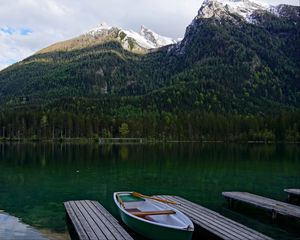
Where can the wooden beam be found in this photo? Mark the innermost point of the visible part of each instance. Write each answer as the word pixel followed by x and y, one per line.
pixel 152 213
pixel 92 221
pixel 274 206
pixel 213 222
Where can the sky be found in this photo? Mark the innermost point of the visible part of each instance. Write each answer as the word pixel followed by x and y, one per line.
pixel 26 26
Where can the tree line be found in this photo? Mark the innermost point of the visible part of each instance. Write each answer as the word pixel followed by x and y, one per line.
pixel 192 126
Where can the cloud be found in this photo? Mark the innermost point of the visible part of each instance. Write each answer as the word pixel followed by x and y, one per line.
pixel 17 44
pixel 26 26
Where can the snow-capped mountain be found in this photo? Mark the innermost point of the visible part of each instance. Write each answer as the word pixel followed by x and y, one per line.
pixel 236 57
pixel 221 8
pixel 143 42
pixel 101 28
pixel 146 39
pixel 157 40
pixel 245 9
pixel 234 12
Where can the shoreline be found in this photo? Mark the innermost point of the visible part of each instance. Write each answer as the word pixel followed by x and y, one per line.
pixel 137 141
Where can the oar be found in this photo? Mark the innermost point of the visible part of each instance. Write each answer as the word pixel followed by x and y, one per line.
pixel 120 201
pixel 139 195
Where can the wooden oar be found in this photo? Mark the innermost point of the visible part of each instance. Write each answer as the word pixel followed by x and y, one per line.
pixel 139 195
pixel 120 201
pixel 152 213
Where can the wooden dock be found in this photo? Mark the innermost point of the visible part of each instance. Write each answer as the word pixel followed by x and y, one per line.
pixel 213 222
pixel 91 221
pixel 292 193
pixel 276 207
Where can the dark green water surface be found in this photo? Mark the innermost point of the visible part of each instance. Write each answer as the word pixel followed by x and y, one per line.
pixel 36 179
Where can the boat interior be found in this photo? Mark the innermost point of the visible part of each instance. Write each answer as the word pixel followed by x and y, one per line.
pixel 151 210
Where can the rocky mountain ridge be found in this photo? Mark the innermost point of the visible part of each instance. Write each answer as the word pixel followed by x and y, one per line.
pixel 224 64
pixel 142 42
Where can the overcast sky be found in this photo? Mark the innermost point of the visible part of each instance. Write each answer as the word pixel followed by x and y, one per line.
pixel 29 25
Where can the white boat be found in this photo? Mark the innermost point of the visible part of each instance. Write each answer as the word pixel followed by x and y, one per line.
pixel 152 218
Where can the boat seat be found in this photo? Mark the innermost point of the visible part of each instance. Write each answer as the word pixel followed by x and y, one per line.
pixel 130 198
pixel 146 213
pixel 147 217
pixel 132 210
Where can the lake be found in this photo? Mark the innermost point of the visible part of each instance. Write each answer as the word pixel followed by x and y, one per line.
pixel 35 179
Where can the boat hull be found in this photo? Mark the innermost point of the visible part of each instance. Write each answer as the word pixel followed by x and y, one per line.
pixel 154 231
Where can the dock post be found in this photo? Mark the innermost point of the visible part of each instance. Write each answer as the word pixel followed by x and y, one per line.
pixel 289 197
pixel 231 202
pixel 274 215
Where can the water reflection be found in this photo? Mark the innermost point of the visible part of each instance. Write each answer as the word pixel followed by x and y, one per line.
pixel 36 179
pixel 12 228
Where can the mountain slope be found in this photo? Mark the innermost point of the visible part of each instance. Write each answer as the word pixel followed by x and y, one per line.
pixel 236 57
pixel 253 64
pixel 132 41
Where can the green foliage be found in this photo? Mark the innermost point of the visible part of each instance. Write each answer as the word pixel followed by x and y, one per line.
pixel 124 130
pixel 224 81
pixel 241 68
pixel 197 126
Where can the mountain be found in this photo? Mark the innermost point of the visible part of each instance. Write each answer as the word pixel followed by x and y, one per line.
pixel 236 57
pixel 130 40
pixel 157 40
pixel 243 54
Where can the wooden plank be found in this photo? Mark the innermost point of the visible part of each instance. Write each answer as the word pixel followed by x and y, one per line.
pixel 117 227
pixel 293 191
pixel 222 222
pixel 90 220
pixel 147 213
pixel 108 227
pixel 93 222
pixel 213 214
pixel 77 225
pixel 218 216
pixel 214 222
pixel 265 203
pixel 91 234
pixel 213 226
pixel 101 223
pixel 203 219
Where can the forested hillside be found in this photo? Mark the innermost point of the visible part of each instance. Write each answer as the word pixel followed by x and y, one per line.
pixel 228 79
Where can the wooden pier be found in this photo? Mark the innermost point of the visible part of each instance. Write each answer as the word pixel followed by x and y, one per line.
pixel 276 207
pixel 292 193
pixel 91 221
pixel 213 222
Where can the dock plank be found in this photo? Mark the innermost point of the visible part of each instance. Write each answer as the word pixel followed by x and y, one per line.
pixel 80 218
pixel 118 229
pixel 213 222
pixel 93 222
pixel 272 205
pixel 293 191
pixel 223 222
pixel 75 220
pixel 104 222
pixel 96 232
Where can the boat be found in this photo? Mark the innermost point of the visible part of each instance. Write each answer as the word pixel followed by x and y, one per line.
pixel 152 217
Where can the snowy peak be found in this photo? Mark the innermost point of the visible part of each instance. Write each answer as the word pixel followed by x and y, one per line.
pixel 221 8
pixel 156 39
pixel 131 40
pixel 245 9
pixel 100 29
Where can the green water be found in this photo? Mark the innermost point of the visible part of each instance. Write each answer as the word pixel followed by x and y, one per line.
pixel 36 179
